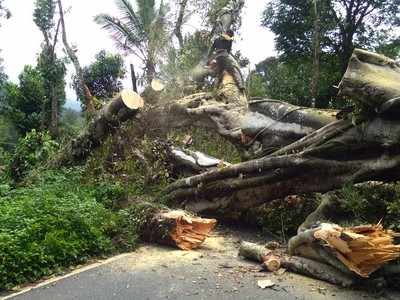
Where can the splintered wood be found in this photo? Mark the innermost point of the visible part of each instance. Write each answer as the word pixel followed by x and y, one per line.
pixel 363 249
pixel 190 232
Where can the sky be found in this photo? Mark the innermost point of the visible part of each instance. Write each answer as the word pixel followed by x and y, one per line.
pixel 20 39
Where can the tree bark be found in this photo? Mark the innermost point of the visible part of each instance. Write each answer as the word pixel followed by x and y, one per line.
pixel 256 128
pixel 372 80
pixel 179 22
pixel 323 160
pixel 176 228
pixel 83 88
pixel 134 79
pixel 122 108
pixel 317 53
pixel 298 265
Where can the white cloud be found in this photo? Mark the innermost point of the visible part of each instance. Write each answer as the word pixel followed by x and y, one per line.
pixel 20 39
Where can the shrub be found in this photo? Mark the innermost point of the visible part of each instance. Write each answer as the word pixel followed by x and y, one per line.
pixel 53 223
pixel 32 150
pixel 372 203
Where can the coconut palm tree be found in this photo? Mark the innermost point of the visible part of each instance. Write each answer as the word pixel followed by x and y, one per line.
pixel 142 32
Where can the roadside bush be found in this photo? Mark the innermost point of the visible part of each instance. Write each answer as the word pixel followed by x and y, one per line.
pixel 373 203
pixel 32 150
pixel 54 222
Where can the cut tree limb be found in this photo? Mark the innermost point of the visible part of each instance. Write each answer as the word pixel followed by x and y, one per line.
pixel 163 226
pixel 178 228
pixel 120 109
pixel 371 79
pixel 298 265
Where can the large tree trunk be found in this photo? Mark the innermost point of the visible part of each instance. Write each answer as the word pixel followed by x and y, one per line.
pixel 122 108
pixel 372 80
pixel 324 160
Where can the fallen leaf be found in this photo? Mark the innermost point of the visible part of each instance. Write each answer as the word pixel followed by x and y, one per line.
pixel 265 283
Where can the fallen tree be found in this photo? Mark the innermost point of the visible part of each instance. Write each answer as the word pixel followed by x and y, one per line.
pixel 323 160
pixel 122 108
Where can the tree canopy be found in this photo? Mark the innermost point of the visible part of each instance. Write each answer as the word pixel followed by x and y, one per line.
pixel 103 76
pixel 23 102
pixel 346 24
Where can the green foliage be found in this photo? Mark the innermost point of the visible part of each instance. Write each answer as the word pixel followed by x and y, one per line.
pixel 31 151
pixel 290 80
pixel 207 142
pixel 372 203
pixel 111 194
pixel 53 73
pixel 345 25
pixel 8 134
pixel 284 216
pixel 3 76
pixel 43 15
pixel 71 123
pixel 181 64
pixel 54 222
pixel 142 32
pixel 23 103
pixel 133 221
pixel 103 77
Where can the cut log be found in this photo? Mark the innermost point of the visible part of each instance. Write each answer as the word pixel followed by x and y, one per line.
pixel 362 249
pixel 172 227
pixel 122 108
pixel 298 265
pixel 373 80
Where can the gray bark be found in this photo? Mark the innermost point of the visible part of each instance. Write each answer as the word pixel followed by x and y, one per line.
pixel 323 160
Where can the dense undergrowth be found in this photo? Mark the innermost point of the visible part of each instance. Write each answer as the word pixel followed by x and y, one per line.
pixel 368 203
pixel 53 219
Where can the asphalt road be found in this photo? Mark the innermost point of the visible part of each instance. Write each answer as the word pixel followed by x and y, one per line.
pixel 213 272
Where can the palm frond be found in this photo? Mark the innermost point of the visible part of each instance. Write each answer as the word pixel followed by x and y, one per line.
pixel 122 36
pixel 130 17
pixel 147 12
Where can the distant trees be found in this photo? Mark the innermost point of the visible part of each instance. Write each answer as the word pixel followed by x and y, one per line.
pixel 51 68
pixel 103 76
pixel 345 24
pixel 141 32
pixel 23 102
